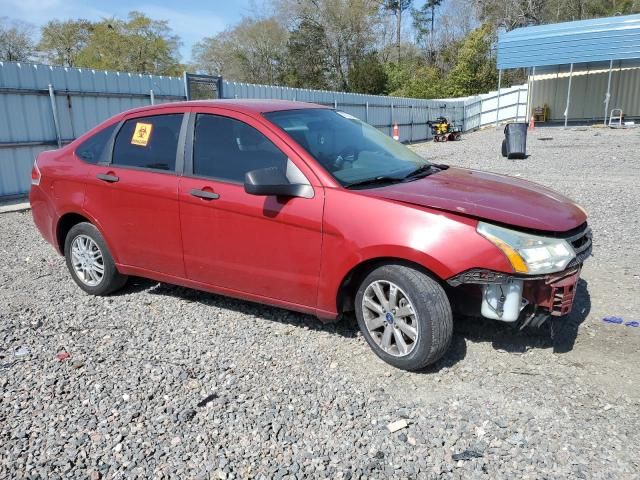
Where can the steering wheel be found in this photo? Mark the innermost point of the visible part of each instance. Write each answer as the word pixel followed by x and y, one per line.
pixel 347 154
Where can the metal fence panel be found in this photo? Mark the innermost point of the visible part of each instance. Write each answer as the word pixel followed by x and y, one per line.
pixel 83 99
pixel 411 114
pixel 483 110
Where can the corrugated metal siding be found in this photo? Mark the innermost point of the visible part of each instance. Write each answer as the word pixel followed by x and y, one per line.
pixel 601 39
pixel 86 97
pixel 482 110
pixel 411 114
pixel 83 98
pixel 588 91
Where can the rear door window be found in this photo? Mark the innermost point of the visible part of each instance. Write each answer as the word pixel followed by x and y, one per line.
pixel 148 142
pixel 94 149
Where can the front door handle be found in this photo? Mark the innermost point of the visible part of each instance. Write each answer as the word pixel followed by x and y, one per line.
pixel 105 177
pixel 204 194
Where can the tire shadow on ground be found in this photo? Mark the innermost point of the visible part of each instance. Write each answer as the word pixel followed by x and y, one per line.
pixel 558 333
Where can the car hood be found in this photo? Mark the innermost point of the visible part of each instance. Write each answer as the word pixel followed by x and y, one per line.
pixel 488 196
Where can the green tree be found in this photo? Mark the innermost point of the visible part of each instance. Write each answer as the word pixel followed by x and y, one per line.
pixel 397 7
pixel 16 40
pixel 252 51
pixel 138 44
pixel 367 75
pixel 424 23
pixel 307 62
pixel 566 10
pixel 62 41
pixel 415 79
pixel 349 26
pixel 475 69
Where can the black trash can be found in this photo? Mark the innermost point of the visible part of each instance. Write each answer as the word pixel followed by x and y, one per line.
pixel 514 144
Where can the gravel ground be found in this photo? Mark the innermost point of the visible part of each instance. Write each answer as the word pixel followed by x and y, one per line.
pixel 162 381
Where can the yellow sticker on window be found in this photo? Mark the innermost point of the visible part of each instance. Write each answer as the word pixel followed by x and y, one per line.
pixel 141 134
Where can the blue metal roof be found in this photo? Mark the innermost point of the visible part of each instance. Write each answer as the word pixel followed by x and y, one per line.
pixel 597 40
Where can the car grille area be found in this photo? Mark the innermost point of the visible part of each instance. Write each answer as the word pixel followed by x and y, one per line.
pixel 581 240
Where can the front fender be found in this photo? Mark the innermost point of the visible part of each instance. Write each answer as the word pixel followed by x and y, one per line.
pixel 358 229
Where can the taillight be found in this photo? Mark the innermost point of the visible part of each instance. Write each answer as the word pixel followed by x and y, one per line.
pixel 35 173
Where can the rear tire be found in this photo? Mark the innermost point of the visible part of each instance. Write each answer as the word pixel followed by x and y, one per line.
pixel 90 262
pixel 405 316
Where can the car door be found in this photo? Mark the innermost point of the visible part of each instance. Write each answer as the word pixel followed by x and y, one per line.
pixel 265 246
pixel 134 193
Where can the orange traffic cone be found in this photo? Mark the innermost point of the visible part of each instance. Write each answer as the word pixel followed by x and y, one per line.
pixel 396 132
pixel 532 123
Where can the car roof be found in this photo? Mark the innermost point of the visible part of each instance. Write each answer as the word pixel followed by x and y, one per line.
pixel 251 106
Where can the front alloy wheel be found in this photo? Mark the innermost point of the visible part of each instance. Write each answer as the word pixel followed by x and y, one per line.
pixel 390 318
pixel 405 316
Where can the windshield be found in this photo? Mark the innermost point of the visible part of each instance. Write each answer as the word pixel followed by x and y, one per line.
pixel 352 151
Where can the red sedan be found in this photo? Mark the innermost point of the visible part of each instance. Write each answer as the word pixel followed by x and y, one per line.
pixel 307 208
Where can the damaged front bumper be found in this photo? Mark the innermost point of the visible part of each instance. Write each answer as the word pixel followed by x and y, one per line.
pixel 530 299
pixel 509 298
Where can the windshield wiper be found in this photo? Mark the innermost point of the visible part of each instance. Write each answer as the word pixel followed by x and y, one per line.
pixel 425 170
pixel 374 181
pixel 421 172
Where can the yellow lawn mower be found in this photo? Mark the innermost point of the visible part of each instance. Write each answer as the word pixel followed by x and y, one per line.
pixel 444 131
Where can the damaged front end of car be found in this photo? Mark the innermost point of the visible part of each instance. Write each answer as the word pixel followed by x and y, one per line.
pixel 544 281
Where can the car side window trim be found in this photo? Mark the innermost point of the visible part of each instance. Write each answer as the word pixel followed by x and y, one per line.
pixel 182 141
pixel 188 148
pixel 108 155
pixel 180 154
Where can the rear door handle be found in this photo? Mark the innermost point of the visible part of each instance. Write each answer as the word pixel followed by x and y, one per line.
pixel 204 194
pixel 105 177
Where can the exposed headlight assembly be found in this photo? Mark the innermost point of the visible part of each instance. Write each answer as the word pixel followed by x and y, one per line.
pixel 529 253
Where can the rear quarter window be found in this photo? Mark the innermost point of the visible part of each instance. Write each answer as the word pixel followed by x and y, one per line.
pixel 94 149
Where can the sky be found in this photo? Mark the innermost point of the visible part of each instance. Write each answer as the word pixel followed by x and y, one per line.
pixel 191 20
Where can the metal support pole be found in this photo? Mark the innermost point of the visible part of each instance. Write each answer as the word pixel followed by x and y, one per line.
pixel 566 110
pixel 531 80
pixel 54 109
pixel 608 95
pixel 152 96
pixel 186 85
pixel 335 104
pixel 518 106
pixel 411 126
pixel 464 116
pixel 366 112
pixel 391 127
pixel 498 106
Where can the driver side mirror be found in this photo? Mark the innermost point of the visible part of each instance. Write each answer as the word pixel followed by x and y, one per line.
pixel 273 181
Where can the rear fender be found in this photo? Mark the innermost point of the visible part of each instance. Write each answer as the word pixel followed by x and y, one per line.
pixel 91 219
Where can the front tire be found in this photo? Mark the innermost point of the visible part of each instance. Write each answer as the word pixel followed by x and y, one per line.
pixel 405 316
pixel 90 262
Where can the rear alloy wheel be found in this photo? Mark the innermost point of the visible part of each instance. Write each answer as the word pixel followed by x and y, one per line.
pixel 89 261
pixel 405 316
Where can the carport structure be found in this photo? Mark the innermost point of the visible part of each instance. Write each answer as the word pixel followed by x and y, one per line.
pixel 587 52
